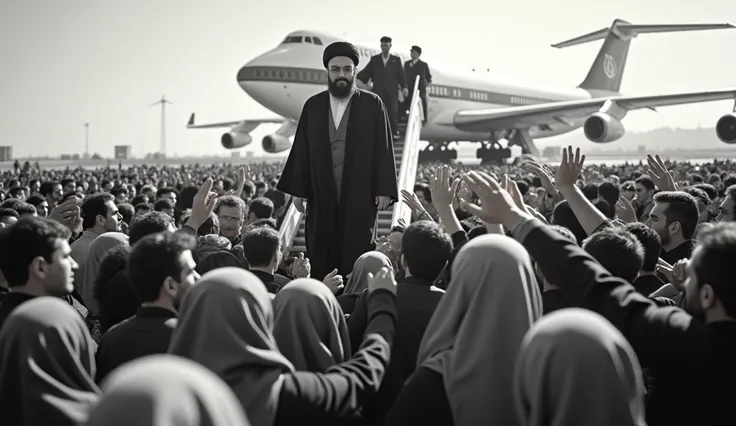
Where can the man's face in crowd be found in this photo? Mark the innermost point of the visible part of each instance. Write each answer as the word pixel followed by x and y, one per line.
pixel 643 195
pixel 113 219
pixel 341 76
pixel 658 222
pixel 57 192
pixel 187 277
pixel 57 275
pixel 231 221
pixel 43 209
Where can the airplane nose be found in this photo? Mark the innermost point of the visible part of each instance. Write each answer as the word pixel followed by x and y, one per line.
pixel 258 69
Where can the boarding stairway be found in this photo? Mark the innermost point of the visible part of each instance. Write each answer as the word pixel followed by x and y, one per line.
pixel 406 154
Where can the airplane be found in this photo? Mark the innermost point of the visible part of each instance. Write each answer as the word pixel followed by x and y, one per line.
pixel 471 107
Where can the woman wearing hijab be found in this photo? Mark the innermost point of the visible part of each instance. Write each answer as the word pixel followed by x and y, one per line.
pixel 97 251
pixel 47 362
pixel 165 390
pixel 576 369
pixel 309 326
pixel 226 324
pixel 467 355
pixel 368 263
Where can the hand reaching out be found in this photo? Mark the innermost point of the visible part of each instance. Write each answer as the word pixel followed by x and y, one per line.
pixel 498 205
pixel 443 193
pixel 543 174
pixel 625 210
pixel 301 268
pixel 203 204
pixel 659 174
pixel 411 200
pixel 333 281
pixel 384 279
pixel 570 167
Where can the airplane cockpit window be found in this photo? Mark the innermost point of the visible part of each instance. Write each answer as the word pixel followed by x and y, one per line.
pixel 292 39
pixel 308 39
pixel 317 41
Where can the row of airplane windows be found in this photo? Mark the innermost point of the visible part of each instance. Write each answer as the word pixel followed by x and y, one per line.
pixel 518 100
pixel 320 77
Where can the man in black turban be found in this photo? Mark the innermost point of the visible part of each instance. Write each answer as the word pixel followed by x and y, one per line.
pixel 340 48
pixel 342 165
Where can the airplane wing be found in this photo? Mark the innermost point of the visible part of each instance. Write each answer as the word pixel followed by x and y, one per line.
pixel 524 117
pixel 247 124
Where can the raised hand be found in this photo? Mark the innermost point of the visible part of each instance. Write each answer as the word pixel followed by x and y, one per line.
pixel 498 205
pixel 443 192
pixel 412 201
pixel 659 174
pixel 570 167
pixel 203 204
pixel 301 268
pixel 543 174
pixel 333 281
pixel 384 279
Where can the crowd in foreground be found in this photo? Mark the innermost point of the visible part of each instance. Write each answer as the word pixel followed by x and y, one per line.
pixel 517 295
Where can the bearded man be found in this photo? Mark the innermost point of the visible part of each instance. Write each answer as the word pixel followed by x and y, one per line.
pixel 341 165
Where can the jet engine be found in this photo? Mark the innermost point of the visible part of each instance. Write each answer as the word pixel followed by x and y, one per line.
pixel 601 128
pixel 726 128
pixel 275 143
pixel 233 140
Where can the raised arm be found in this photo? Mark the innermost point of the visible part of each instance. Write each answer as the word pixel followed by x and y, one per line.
pixel 655 333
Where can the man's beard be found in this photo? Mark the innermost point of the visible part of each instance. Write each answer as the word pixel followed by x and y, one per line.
pixel 340 90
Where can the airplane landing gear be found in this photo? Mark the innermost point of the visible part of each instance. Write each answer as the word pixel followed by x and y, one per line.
pixel 524 140
pixel 438 152
pixel 492 152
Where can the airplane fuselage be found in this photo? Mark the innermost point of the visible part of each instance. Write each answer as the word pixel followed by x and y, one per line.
pixel 284 78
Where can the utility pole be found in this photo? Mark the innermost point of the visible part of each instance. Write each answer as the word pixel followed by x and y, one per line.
pixel 163 103
pixel 86 140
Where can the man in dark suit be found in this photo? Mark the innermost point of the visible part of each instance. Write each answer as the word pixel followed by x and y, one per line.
pixel 387 75
pixel 413 68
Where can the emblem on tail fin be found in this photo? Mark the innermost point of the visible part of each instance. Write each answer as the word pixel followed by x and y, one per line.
pixel 609 66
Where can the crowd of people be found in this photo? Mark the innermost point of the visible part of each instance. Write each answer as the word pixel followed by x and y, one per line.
pixel 517 295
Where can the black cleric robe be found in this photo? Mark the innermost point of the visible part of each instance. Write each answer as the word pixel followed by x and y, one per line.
pixel 340 228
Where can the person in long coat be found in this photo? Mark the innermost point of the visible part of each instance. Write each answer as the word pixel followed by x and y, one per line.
pixel 342 165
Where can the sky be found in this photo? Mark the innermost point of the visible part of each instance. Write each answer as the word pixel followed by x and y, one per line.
pixel 65 63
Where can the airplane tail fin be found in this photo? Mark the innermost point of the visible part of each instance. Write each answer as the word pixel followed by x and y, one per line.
pixel 608 68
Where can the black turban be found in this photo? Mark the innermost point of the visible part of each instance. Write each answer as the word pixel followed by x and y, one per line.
pixel 340 48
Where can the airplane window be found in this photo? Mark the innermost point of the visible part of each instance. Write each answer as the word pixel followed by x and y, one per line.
pixel 317 41
pixel 292 39
pixel 307 39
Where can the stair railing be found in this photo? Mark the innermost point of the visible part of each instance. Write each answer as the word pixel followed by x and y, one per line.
pixel 410 157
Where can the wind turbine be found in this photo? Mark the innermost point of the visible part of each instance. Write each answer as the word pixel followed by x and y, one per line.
pixel 163 103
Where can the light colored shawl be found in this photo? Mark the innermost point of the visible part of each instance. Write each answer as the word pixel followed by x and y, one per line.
pixel 226 323
pixel 576 369
pixel 310 326
pixel 97 251
pixel 476 331
pixel 372 262
pixel 47 365
pixel 166 390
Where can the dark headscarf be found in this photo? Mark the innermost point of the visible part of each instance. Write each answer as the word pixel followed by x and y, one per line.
pixel 165 390
pixel 47 365
pixel 574 366
pixel 226 324
pixel 310 326
pixel 340 48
